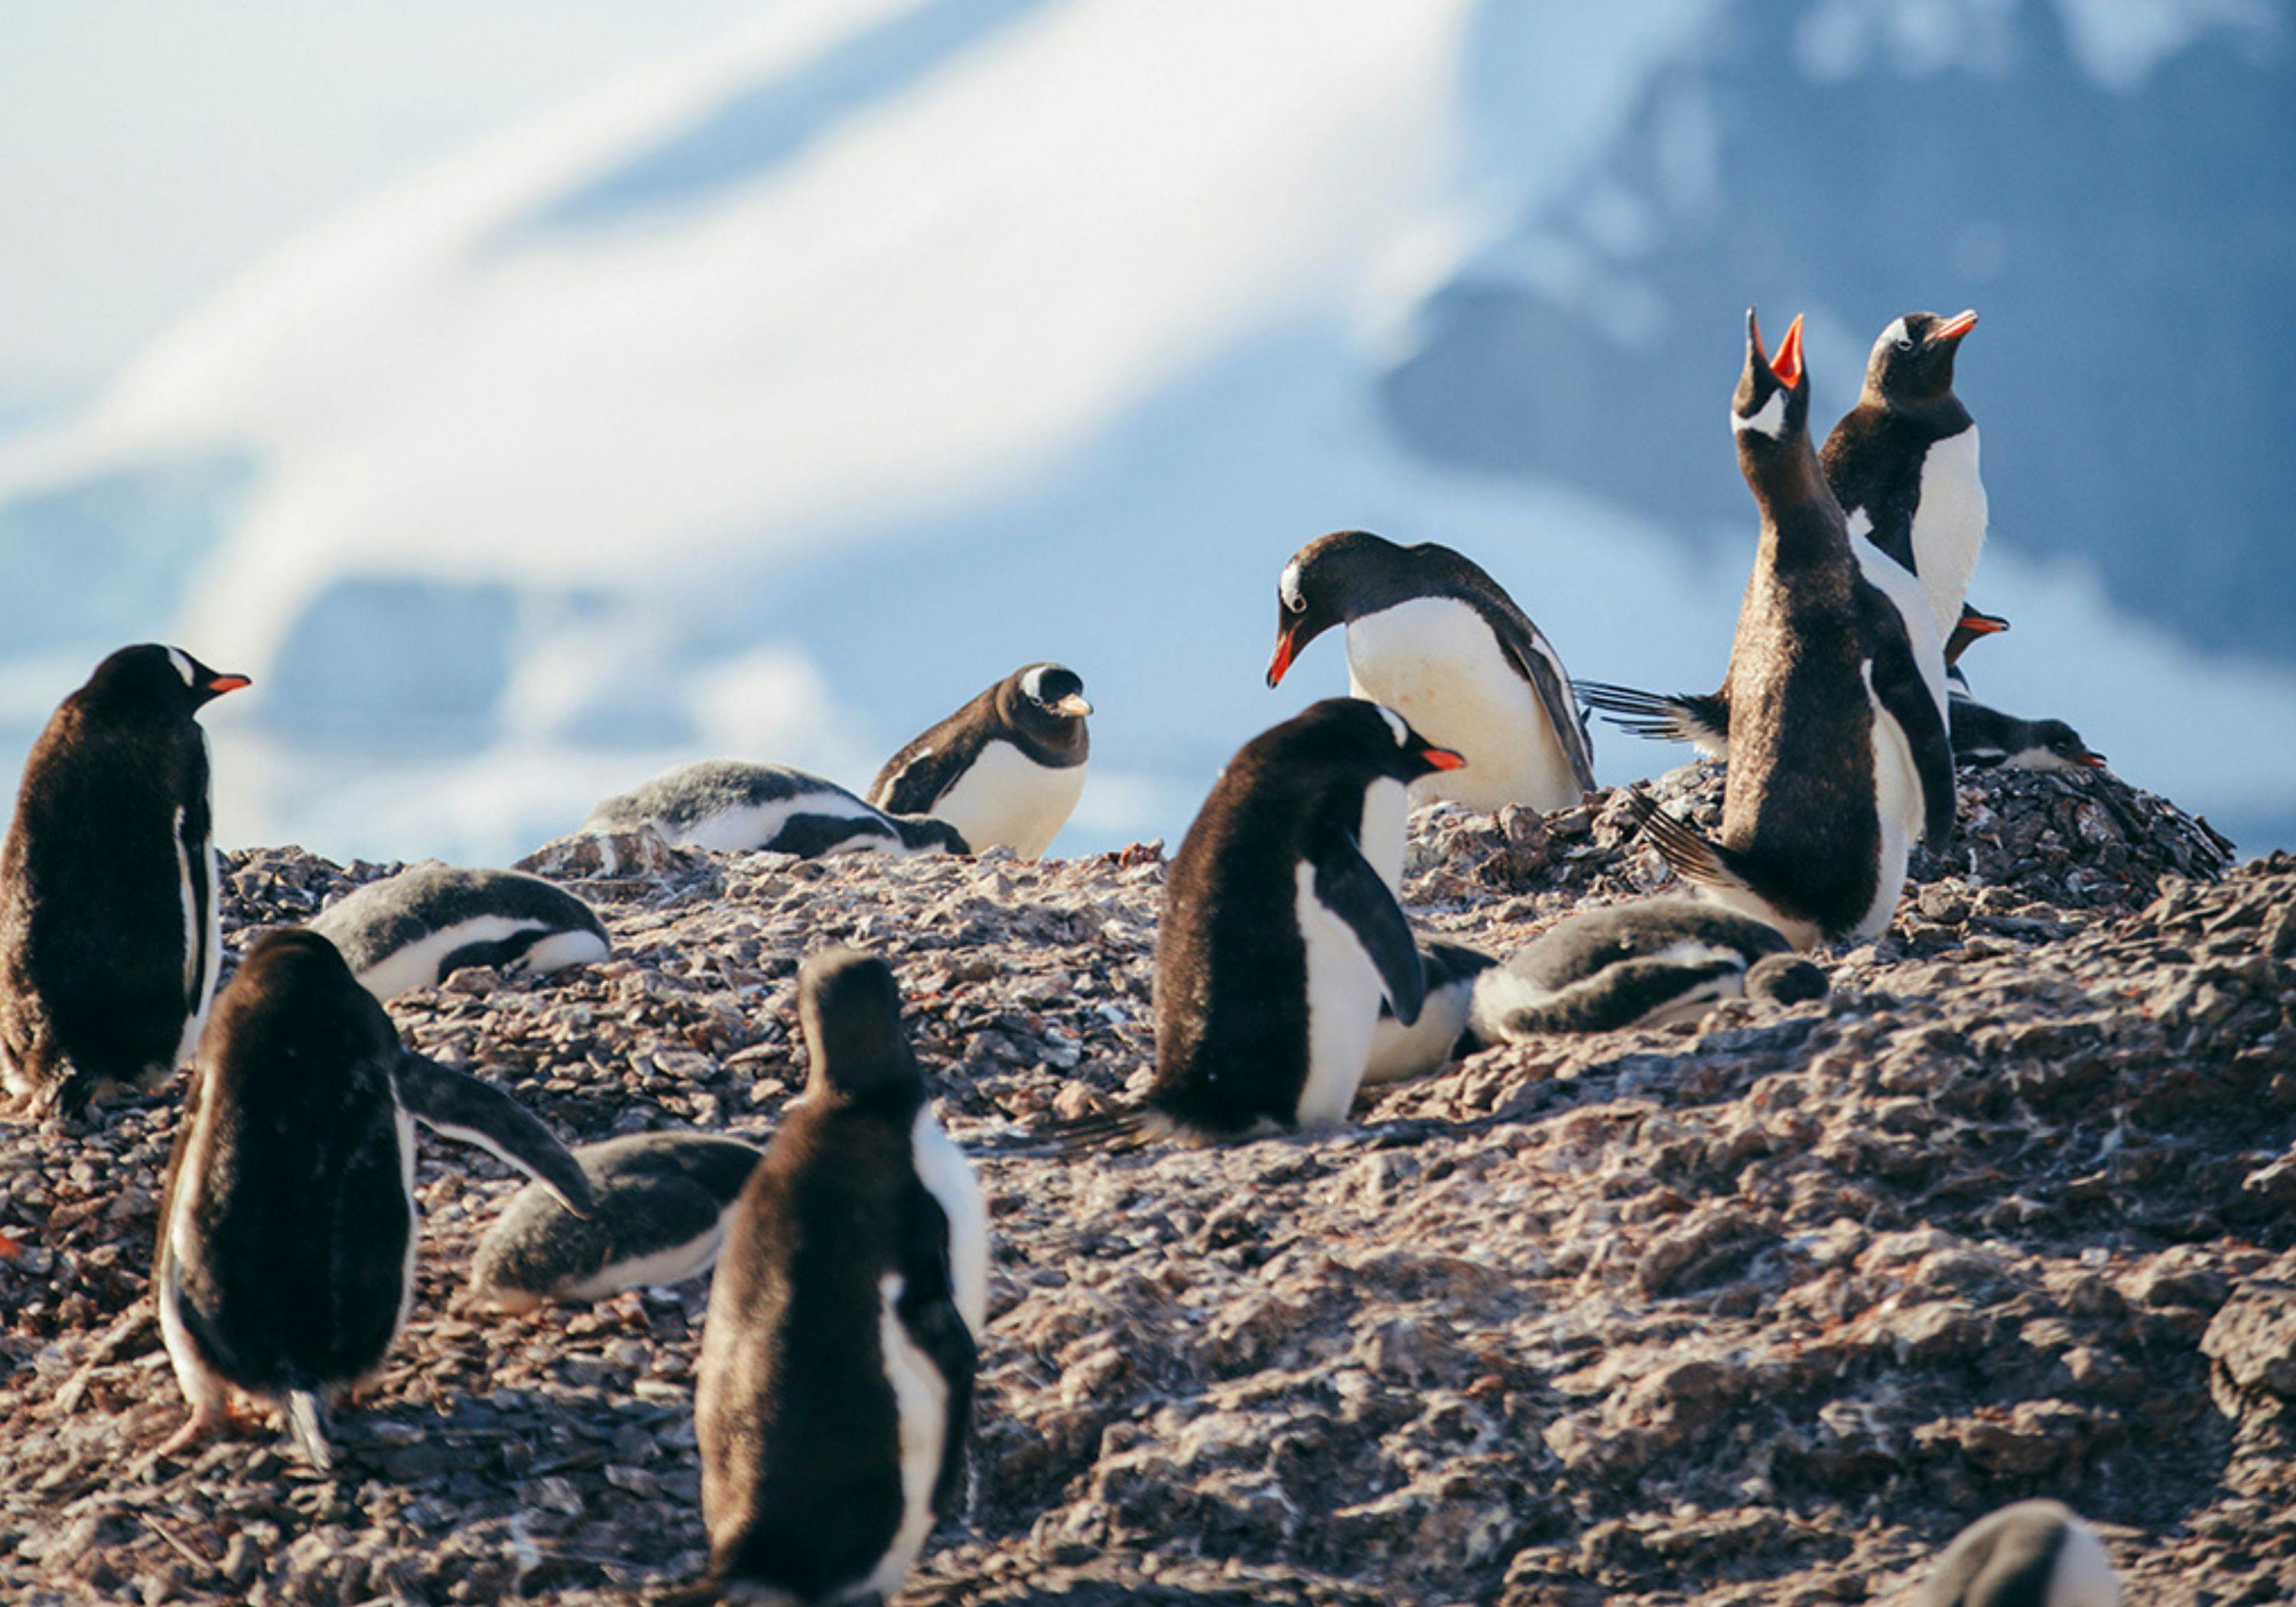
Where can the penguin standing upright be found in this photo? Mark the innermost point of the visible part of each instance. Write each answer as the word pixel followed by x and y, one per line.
pixel 1434 637
pixel 1281 931
pixel 1005 770
pixel 1903 464
pixel 1838 751
pixel 2032 1554
pixel 838 1357
pixel 287 1236
pixel 414 929
pixel 109 928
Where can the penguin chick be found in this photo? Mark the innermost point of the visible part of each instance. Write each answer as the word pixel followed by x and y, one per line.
pixel 109 932
pixel 835 1393
pixel 2034 1554
pixel 1647 963
pixel 734 808
pixel 1432 636
pixel 1005 770
pixel 287 1236
pixel 660 1204
pixel 414 929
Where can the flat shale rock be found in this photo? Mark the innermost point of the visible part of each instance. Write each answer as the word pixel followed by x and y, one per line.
pixel 1761 1311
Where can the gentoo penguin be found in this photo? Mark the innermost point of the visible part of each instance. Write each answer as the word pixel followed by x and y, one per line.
pixel 1434 637
pixel 838 1359
pixel 287 1236
pixel 737 808
pixel 661 1203
pixel 2034 1554
pixel 1838 754
pixel 410 930
pixel 1903 464
pixel 1702 718
pixel 1006 769
pixel 109 925
pixel 1986 739
pixel 1281 931
pixel 1440 1035
pixel 1642 964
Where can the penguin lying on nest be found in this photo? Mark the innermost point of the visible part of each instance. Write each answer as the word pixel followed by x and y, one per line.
pixel 414 929
pixel 739 808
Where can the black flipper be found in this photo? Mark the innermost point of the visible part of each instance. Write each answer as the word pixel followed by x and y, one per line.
pixel 1905 696
pixel 457 1105
pixel 1536 661
pixel 928 1312
pixel 1347 886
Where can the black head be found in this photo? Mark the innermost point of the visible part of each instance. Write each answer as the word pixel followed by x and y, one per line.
pixel 850 1009
pixel 1364 738
pixel 158 678
pixel 1323 585
pixel 1912 365
pixel 1048 698
pixel 2063 743
pixel 1771 407
pixel 1970 628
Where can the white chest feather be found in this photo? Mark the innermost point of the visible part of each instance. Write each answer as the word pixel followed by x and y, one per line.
pixel 1008 798
pixel 1435 662
pixel 1398 1052
pixel 1911 599
pixel 1897 799
pixel 949 1177
pixel 1949 525
pixel 749 826
pixel 2083 1576
pixel 416 966
pixel 673 1264
pixel 920 1409
pixel 1343 994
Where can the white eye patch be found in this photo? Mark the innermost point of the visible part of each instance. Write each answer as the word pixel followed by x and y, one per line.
pixel 183 663
pixel 1288 589
pixel 1032 681
pixel 1897 334
pixel 1769 420
pixel 1395 724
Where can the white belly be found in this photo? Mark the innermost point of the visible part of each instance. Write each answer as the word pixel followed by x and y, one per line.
pixel 949 1178
pixel 1008 798
pixel 1950 526
pixel 1343 994
pixel 751 826
pixel 674 1265
pixel 416 966
pixel 921 1408
pixel 1398 1052
pixel 1910 597
pixel 1897 792
pixel 1436 663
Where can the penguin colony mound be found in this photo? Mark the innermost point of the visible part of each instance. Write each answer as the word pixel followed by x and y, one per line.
pixel 1762 1311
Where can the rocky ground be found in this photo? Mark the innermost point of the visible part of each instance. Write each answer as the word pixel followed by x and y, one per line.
pixel 1760 1311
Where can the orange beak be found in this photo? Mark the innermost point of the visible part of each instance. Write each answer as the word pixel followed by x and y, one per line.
pixel 1955 327
pixel 1787 363
pixel 2094 761
pixel 1442 759
pixel 1281 661
pixel 223 684
pixel 1982 625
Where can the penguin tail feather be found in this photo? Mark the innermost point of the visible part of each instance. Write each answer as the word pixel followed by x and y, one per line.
pixel 1693 858
pixel 1118 1132
pixel 1682 719
pixel 307 1420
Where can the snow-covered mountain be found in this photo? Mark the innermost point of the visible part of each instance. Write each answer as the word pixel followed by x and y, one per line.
pixel 775 401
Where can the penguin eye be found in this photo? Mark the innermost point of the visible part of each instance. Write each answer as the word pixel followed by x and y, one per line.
pixel 1905 343
pixel 1296 603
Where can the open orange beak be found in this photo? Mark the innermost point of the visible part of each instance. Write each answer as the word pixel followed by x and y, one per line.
pixel 1281 661
pixel 1442 759
pixel 1787 363
pixel 1956 326
pixel 223 684
pixel 1982 625
pixel 2094 761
